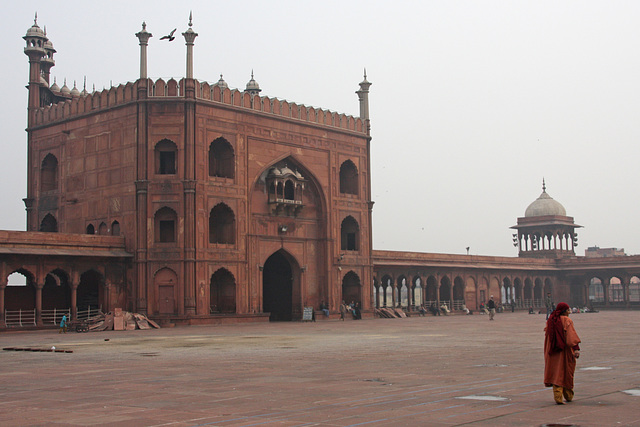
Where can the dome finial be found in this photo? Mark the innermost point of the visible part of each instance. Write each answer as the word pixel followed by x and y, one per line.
pixel 190 18
pixel 35 19
pixel 544 187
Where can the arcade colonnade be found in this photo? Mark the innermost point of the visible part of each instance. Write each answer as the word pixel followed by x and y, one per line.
pixel 408 279
pixel 404 288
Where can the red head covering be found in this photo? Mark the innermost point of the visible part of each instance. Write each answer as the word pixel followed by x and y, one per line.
pixel 555 331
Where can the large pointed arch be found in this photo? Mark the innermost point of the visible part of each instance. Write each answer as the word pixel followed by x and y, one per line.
pixel 281 291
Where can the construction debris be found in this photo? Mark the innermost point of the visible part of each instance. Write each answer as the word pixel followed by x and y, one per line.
pixel 118 320
pixel 390 313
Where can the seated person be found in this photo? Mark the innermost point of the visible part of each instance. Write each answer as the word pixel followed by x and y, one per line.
pixel 324 308
pixel 421 310
pixel 465 309
pixel 434 310
pixel 444 308
pixel 531 310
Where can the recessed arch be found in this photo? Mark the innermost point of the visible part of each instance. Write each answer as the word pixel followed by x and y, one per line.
pixel 348 178
pixel 166 154
pixel 49 224
pixel 349 234
pixel 165 221
pixel 221 159
pixel 351 289
pixel 49 173
pixel 222 225
pixel 222 292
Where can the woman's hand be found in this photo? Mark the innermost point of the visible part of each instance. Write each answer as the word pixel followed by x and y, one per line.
pixel 576 354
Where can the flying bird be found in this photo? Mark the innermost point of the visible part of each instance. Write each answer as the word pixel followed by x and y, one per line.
pixel 169 36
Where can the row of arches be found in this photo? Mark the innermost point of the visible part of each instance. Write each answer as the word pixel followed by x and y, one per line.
pixel 58 291
pixel 221 164
pixel 614 292
pixel 411 291
pixel 281 293
pixel 104 230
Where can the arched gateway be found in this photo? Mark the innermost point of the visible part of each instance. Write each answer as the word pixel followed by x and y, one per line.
pixel 280 292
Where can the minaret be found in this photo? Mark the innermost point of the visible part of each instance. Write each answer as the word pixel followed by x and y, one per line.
pixel 144 37
pixel 189 37
pixel 363 97
pixel 35 50
pixel 47 62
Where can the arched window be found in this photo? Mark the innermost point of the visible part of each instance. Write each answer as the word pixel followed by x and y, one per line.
pixel 115 228
pixel 221 159
pixel 49 173
pixel 91 229
pixel 165 225
pixel 49 224
pixel 165 157
pixel 348 178
pixel 349 234
pixel 222 225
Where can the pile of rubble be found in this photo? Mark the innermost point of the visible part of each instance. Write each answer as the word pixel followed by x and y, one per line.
pixel 118 320
pixel 390 313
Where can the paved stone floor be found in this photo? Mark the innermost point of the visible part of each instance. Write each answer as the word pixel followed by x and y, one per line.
pixel 419 371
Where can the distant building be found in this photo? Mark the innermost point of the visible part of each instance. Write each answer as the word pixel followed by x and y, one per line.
pixel 596 252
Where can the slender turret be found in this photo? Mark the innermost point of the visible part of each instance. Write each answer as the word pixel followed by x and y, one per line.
pixel 189 37
pixel 144 37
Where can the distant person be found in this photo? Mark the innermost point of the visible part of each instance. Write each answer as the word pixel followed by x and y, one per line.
pixel 324 308
pixel 561 350
pixel 343 310
pixel 444 308
pixel 63 324
pixel 548 302
pixel 491 306
pixel 434 310
pixel 531 310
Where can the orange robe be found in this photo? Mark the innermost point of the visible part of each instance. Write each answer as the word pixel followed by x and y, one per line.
pixel 559 367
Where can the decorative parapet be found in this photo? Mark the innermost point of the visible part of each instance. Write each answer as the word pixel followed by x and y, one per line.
pixel 172 88
pixel 90 103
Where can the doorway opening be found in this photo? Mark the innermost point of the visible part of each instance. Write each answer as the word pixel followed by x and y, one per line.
pixel 277 288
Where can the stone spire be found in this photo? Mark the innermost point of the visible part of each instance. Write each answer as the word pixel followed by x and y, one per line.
pixel 363 97
pixel 144 37
pixel 189 37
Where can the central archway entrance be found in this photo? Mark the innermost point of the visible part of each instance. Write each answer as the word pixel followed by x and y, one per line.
pixel 277 287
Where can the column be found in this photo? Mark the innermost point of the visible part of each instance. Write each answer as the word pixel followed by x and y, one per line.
pixel 75 282
pixel 3 286
pixel 39 287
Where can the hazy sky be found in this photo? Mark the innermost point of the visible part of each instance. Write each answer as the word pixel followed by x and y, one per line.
pixel 472 102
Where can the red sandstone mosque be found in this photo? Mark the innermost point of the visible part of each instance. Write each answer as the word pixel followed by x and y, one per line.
pixel 192 202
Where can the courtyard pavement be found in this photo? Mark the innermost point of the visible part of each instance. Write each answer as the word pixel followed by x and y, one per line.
pixel 418 371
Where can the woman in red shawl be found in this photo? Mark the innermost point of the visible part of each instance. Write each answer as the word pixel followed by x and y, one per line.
pixel 560 353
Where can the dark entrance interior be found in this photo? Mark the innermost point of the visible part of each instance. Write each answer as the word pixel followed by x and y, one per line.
pixel 277 287
pixel 89 297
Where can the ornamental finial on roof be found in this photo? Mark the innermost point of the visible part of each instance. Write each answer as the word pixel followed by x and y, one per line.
pixel 544 187
pixel 190 18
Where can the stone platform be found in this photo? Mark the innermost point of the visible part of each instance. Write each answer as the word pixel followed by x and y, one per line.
pixel 431 371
